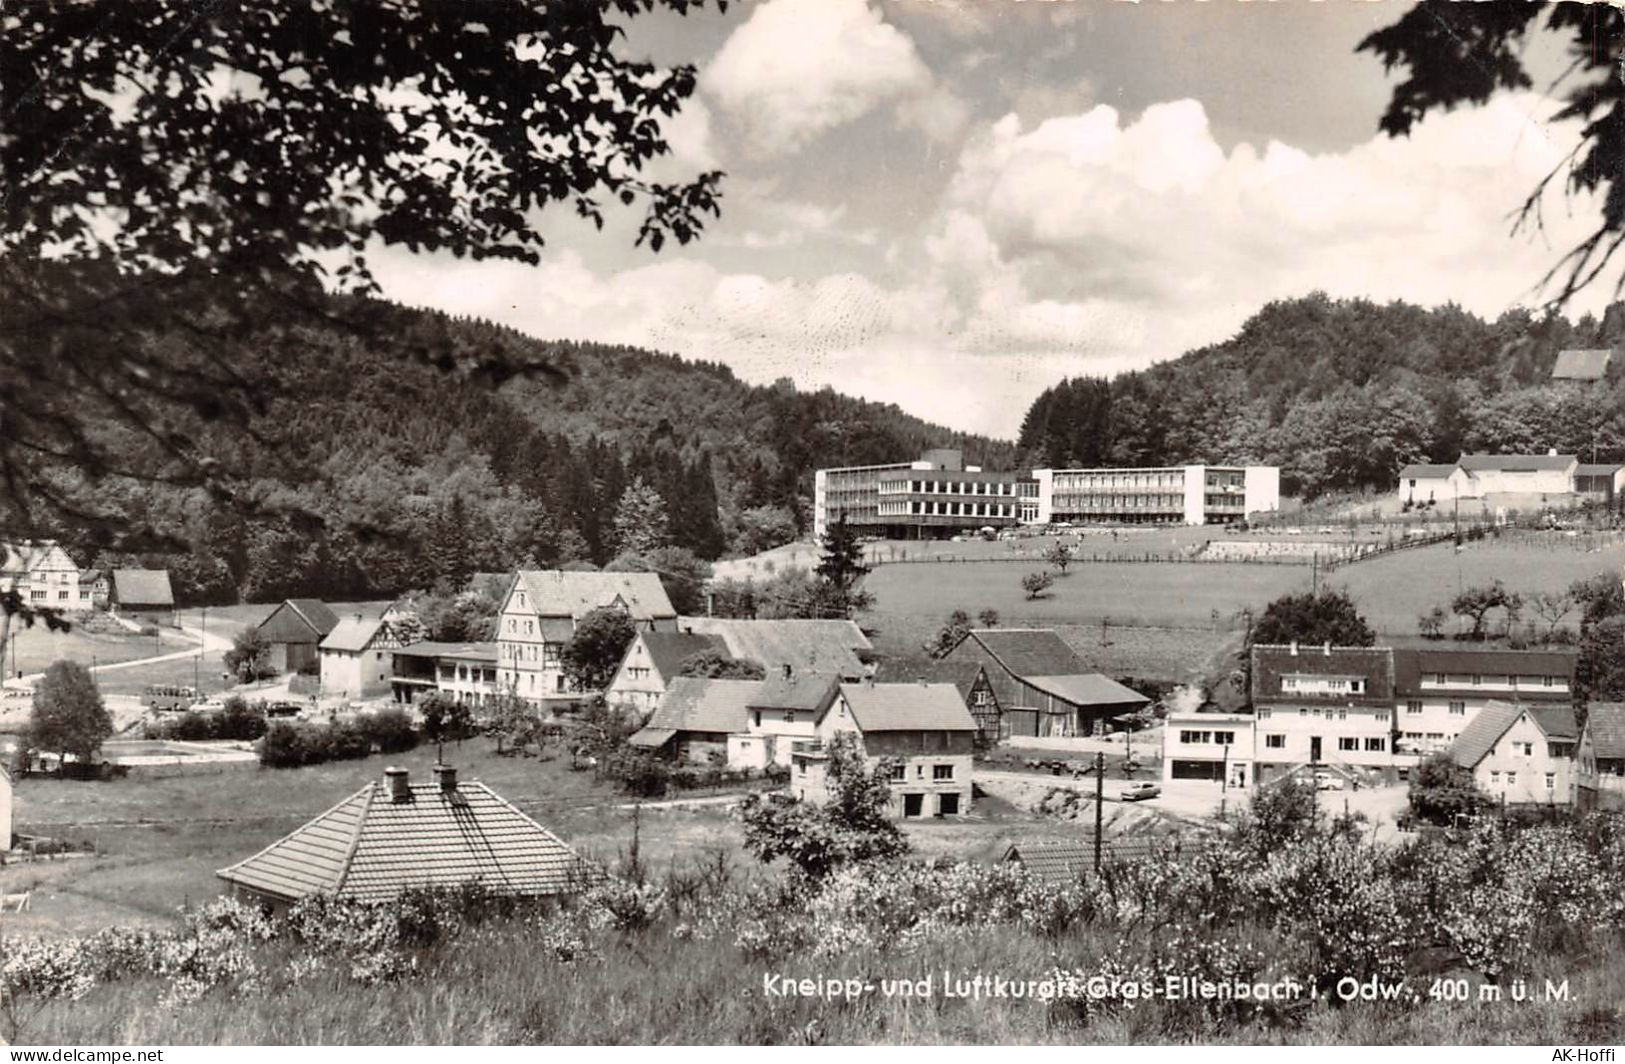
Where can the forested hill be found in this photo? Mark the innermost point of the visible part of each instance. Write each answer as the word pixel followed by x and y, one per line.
pixel 416 467
pixel 1342 393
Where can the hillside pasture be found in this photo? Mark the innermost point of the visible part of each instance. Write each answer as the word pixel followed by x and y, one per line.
pixel 31 650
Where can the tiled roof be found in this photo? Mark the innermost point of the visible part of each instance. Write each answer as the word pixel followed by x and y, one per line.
pixel 1516 463
pixel 1481 734
pixel 1030 651
pixel 881 707
pixel 1428 470
pixel 804 645
pixel 556 593
pixel 1412 663
pixel 1062 861
pixel 653 738
pixel 961 673
pixel 370 848
pixel 316 613
pixel 142 587
pixel 1088 689
pixel 812 693
pixel 1605 721
pixel 668 650
pixel 353 634
pixel 1373 664
pixel 463 651
pixel 1581 364
pixel 695 704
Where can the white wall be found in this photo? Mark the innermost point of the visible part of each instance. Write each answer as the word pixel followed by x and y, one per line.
pixel 1262 486
pixel 1195 495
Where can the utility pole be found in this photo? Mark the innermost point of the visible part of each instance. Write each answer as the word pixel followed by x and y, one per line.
pixel 1100 803
pixel 1314 575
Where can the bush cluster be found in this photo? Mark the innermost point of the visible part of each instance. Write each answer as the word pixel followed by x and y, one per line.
pixel 290 745
pixel 237 720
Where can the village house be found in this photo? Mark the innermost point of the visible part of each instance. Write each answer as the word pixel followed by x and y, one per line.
pixel 699 721
pixel 356 658
pixel 1539 474
pixel 44 575
pixel 923 730
pixel 1439 689
pixel 396 835
pixel 466 672
pixel 1441 484
pixel 294 631
pixel 539 616
pixel 783 710
pixel 1600 481
pixel 1323 705
pixel 1041 687
pixel 1600 757
pixel 142 595
pixel 1521 754
pixel 652 661
pixel 1218 747
pixel 968 677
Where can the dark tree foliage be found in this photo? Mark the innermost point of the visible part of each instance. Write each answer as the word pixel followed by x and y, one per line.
pixel 69 716
pixel 1325 616
pixel 950 634
pixel 445 720
pixel 1442 790
pixel 595 651
pixel 716 665
pixel 1454 54
pixel 836 589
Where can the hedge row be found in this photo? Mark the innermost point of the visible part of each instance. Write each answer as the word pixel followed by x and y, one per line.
pixel 289 745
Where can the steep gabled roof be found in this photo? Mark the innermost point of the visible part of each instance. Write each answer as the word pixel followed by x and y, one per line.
pixel 1605 723
pixel 1481 734
pixel 1374 665
pixel 556 593
pixel 1089 689
pixel 353 634
pixel 668 650
pixel 695 704
pixel 830 646
pixel 370 848
pixel 1028 652
pixel 888 707
pixel 810 693
pixel 961 673
pixel 315 613
pixel 142 587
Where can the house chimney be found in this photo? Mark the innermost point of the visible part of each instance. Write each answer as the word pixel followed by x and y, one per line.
pixel 400 787
pixel 1327 648
pixel 1294 648
pixel 359 618
pixel 446 776
pixel 1551 452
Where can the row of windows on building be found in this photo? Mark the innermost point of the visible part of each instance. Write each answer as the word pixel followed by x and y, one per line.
pixel 1094 482
pixel 1512 779
pixel 1277 741
pixel 1353 685
pixel 949 509
pixel 1329 712
pixel 41 595
pixel 1439 679
pixel 1095 503
pixel 1008 489
pixel 465 674
pixel 550 655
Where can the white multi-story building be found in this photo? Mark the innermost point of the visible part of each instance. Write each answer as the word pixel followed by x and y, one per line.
pixel 44 575
pixel 935 496
pixel 1186 495
pixel 539 617
pixel 1522 755
pixel 1439 690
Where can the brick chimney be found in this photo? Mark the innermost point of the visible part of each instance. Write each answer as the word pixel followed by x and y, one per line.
pixel 398 784
pixel 446 776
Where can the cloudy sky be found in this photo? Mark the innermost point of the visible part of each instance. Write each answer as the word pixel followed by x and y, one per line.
pixel 951 204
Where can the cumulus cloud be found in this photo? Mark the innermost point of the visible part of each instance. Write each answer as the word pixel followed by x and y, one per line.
pixel 1087 243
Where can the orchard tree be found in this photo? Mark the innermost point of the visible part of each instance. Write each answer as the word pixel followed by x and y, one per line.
pixel 1060 556
pixel 1442 790
pixel 717 665
pixel 69 716
pixel 445 720
pixel 1035 584
pixel 513 723
pixel 988 618
pixel 1454 54
pixel 595 651
pixel 151 151
pixel 1476 603
pixel 949 635
pixel 249 658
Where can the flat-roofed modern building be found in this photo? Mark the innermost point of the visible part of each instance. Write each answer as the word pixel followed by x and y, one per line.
pixel 935 496
pixel 1167 495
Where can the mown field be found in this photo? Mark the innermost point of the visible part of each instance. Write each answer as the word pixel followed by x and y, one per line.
pixel 31 650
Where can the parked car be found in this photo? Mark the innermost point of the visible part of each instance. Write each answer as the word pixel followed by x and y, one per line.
pixel 1328 781
pixel 1138 792
pixel 209 705
pixel 283 709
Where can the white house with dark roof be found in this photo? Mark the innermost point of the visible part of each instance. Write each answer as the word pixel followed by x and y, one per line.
pixel 699 720
pixel 1324 705
pixel 539 616
pixel 1440 687
pixel 1600 757
pixel 652 661
pixel 1521 754
pixel 44 575
pixel 357 658
pixel 1526 474
pixel 923 729
pixel 1441 484
pixel 397 835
